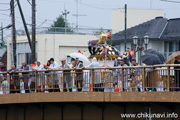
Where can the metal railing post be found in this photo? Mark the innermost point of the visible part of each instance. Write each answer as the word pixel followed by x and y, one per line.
pixel 9 83
pixel 168 79
pixel 122 78
pixel 35 81
pixel 62 80
pixel 92 80
pixel 143 79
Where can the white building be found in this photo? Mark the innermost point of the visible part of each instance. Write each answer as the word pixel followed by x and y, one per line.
pixel 134 17
pixel 49 45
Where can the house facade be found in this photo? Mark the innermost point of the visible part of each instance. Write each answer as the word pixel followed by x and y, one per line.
pixel 164 35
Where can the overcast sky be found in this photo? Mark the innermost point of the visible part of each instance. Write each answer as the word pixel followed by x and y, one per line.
pixel 97 12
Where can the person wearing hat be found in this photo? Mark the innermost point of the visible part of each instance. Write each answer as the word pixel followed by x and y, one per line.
pixel 40 77
pixel 55 77
pixel 79 74
pixel 66 75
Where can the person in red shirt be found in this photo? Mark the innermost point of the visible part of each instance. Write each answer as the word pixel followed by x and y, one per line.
pixel 109 34
pixel 79 51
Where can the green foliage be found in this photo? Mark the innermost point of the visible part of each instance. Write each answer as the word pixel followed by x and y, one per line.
pixel 59 22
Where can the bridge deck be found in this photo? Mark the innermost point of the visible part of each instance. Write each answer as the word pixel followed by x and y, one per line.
pixel 91 97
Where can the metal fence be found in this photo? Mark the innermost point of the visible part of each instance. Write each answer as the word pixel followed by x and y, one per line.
pixel 63 30
pixel 159 78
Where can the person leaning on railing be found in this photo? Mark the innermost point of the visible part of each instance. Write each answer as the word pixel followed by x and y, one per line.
pixel 96 75
pixel 14 83
pixel 79 74
pixel 125 76
pixel 40 77
pixel 66 75
pixel 48 83
pixel 25 75
pixel 135 75
pixel 54 75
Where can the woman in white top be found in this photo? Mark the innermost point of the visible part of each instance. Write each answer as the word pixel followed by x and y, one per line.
pixel 40 76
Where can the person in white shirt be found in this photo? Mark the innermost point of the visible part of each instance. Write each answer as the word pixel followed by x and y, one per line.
pixel 40 77
pixel 55 76
pixel 96 73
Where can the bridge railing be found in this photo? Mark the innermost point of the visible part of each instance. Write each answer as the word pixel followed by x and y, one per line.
pixel 158 78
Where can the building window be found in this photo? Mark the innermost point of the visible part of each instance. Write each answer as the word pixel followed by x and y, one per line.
pixel 28 58
pixel 171 47
pixel 24 57
pixel 21 58
pixel 117 47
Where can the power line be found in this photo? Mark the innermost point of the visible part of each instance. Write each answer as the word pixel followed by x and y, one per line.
pixel 26 18
pixel 172 1
pixel 95 6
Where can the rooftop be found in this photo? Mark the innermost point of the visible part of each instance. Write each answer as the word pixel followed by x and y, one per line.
pixel 159 28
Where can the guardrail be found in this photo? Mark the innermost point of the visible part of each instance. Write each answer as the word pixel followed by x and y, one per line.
pixel 159 78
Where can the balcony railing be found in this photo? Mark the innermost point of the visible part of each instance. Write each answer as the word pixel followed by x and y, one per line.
pixel 158 78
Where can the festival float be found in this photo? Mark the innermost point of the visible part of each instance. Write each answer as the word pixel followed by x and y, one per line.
pixel 105 54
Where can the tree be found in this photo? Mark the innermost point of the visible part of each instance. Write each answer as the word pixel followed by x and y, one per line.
pixel 59 22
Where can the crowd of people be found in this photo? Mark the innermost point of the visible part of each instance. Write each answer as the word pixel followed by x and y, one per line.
pixel 23 78
pixel 76 78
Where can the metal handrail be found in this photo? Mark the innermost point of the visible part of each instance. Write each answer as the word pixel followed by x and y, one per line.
pixel 165 74
pixel 124 67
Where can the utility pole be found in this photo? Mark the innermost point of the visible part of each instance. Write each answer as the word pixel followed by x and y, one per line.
pixel 65 13
pixel 13 33
pixel 2 41
pixel 77 14
pixel 33 58
pixel 24 23
pixel 125 34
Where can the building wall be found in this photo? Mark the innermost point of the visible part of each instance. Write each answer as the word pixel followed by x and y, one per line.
pixel 134 17
pixel 24 48
pixel 159 45
pixel 61 45
pixel 54 45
